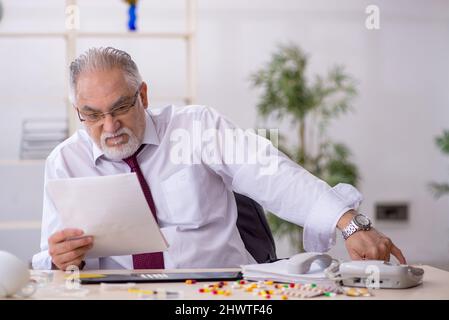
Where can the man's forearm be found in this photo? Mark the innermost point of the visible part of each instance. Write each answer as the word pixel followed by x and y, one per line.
pixel 345 219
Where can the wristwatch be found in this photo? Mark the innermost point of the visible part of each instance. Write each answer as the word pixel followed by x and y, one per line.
pixel 359 222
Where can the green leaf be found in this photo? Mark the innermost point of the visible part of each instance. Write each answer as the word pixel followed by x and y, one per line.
pixel 443 141
pixel 439 189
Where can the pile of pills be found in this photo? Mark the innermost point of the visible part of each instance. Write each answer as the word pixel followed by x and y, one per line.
pixel 267 289
pixel 357 292
pixel 263 289
pixel 156 294
pixel 219 288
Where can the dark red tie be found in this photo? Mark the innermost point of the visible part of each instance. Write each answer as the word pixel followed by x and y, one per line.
pixel 145 260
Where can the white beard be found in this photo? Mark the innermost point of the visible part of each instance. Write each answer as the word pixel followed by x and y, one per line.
pixel 120 151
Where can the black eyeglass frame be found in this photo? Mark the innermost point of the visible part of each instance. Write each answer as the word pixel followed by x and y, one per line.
pixel 115 112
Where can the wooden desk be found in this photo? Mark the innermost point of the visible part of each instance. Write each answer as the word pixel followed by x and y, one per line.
pixel 435 286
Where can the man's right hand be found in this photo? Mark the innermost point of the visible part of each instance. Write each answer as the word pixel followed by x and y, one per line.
pixel 65 251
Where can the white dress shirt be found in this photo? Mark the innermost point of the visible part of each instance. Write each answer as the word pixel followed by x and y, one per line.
pixel 196 208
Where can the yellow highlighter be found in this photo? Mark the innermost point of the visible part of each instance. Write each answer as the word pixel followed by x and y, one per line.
pixel 86 276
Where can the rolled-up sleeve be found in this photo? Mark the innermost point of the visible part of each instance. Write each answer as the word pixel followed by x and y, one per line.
pixel 321 222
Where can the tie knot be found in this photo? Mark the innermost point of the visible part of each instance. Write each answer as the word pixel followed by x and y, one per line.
pixel 132 160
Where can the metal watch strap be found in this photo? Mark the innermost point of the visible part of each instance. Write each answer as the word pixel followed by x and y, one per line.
pixel 349 230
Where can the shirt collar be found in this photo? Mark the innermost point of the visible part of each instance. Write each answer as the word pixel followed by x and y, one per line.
pixel 150 137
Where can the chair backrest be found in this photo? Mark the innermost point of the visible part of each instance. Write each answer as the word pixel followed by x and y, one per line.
pixel 254 229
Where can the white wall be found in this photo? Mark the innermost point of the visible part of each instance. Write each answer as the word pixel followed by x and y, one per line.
pixel 402 69
pixel 403 101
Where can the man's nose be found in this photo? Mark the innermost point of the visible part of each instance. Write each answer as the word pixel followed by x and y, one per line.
pixel 110 124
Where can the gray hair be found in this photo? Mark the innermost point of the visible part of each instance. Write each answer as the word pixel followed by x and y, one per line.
pixel 103 59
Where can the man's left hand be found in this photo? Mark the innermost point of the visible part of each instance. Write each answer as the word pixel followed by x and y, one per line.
pixel 372 245
pixel 369 244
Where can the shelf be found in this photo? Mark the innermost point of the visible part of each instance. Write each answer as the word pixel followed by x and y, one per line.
pixel 20 225
pixel 16 162
pixel 32 34
pixel 72 36
pixel 31 98
pixel 161 35
pixel 174 35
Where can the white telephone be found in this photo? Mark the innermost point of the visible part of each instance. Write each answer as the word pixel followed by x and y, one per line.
pixel 380 274
pixel 365 273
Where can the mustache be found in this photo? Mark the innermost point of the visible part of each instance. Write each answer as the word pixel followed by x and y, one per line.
pixel 106 135
pixel 120 151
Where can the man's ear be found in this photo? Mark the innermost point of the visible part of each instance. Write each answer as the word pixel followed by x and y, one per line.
pixel 144 95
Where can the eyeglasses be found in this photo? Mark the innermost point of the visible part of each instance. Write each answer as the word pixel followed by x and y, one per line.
pixel 95 117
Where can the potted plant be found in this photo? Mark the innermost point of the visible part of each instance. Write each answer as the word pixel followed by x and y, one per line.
pixel 440 189
pixel 286 92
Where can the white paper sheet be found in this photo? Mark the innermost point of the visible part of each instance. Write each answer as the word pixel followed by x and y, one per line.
pixel 278 271
pixel 113 209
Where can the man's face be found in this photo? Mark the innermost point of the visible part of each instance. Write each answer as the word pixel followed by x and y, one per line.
pixel 117 135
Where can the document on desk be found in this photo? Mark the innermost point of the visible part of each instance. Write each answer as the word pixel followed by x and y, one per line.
pixel 112 209
pixel 278 271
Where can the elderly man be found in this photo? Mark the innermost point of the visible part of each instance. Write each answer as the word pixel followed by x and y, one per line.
pixel 191 196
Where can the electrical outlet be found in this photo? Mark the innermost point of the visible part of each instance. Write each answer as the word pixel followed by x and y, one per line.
pixel 392 211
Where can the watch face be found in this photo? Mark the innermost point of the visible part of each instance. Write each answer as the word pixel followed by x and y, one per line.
pixel 362 221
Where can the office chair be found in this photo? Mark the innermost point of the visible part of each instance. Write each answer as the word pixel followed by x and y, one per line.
pixel 254 229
